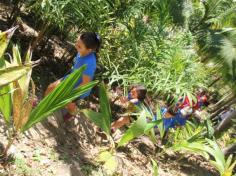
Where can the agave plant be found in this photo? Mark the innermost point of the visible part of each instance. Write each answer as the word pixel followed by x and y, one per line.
pixel 5 38
pixel 10 71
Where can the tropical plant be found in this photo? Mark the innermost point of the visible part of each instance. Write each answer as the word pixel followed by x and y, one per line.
pixel 16 102
pixel 155 167
pixel 103 118
pixel 68 17
pixel 5 38
pixel 142 127
pixel 210 148
pixel 10 71
pixel 212 23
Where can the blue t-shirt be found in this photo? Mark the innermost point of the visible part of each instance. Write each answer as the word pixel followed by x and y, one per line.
pixel 177 120
pixel 90 61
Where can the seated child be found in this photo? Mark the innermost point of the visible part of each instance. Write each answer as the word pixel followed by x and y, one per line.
pixel 174 117
pixel 202 99
pixel 131 103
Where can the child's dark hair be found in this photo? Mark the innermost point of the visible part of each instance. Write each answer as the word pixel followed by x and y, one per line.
pixel 141 90
pixel 91 40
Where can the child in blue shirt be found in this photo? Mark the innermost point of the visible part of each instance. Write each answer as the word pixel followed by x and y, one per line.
pixel 87 45
pixel 172 119
pixel 132 102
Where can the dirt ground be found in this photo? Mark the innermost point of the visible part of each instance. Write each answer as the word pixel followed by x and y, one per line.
pixel 58 148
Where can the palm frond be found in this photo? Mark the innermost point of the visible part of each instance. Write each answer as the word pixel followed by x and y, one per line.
pixel 59 97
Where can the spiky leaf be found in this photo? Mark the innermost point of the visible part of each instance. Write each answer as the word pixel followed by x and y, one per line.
pixel 5 98
pixel 4 39
pixel 11 74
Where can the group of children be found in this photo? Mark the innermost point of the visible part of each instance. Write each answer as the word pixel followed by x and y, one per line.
pixel 87 45
pixel 173 115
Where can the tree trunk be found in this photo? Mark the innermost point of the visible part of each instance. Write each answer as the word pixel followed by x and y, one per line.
pixel 223 107
pixel 223 99
pixel 222 102
pixel 15 11
pixel 213 82
pixel 226 123
pixel 42 31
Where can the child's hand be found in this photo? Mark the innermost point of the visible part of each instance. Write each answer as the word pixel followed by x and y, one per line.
pixel 123 99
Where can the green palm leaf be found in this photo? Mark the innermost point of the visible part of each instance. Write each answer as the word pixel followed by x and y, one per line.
pixel 135 130
pixel 59 97
pixel 101 119
pixel 104 105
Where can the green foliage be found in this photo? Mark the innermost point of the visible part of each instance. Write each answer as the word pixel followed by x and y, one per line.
pixel 192 138
pixel 11 74
pixel 71 15
pixel 50 11
pixel 140 127
pixel 14 70
pixel 209 147
pixel 5 103
pixel 109 161
pixel 136 129
pixel 212 23
pixel 190 133
pixel 4 39
pixel 164 62
pixel 154 167
pixel 102 118
pixel 11 71
pixel 59 97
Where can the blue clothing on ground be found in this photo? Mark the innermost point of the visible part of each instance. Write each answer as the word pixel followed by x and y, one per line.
pixel 177 120
pixel 90 62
